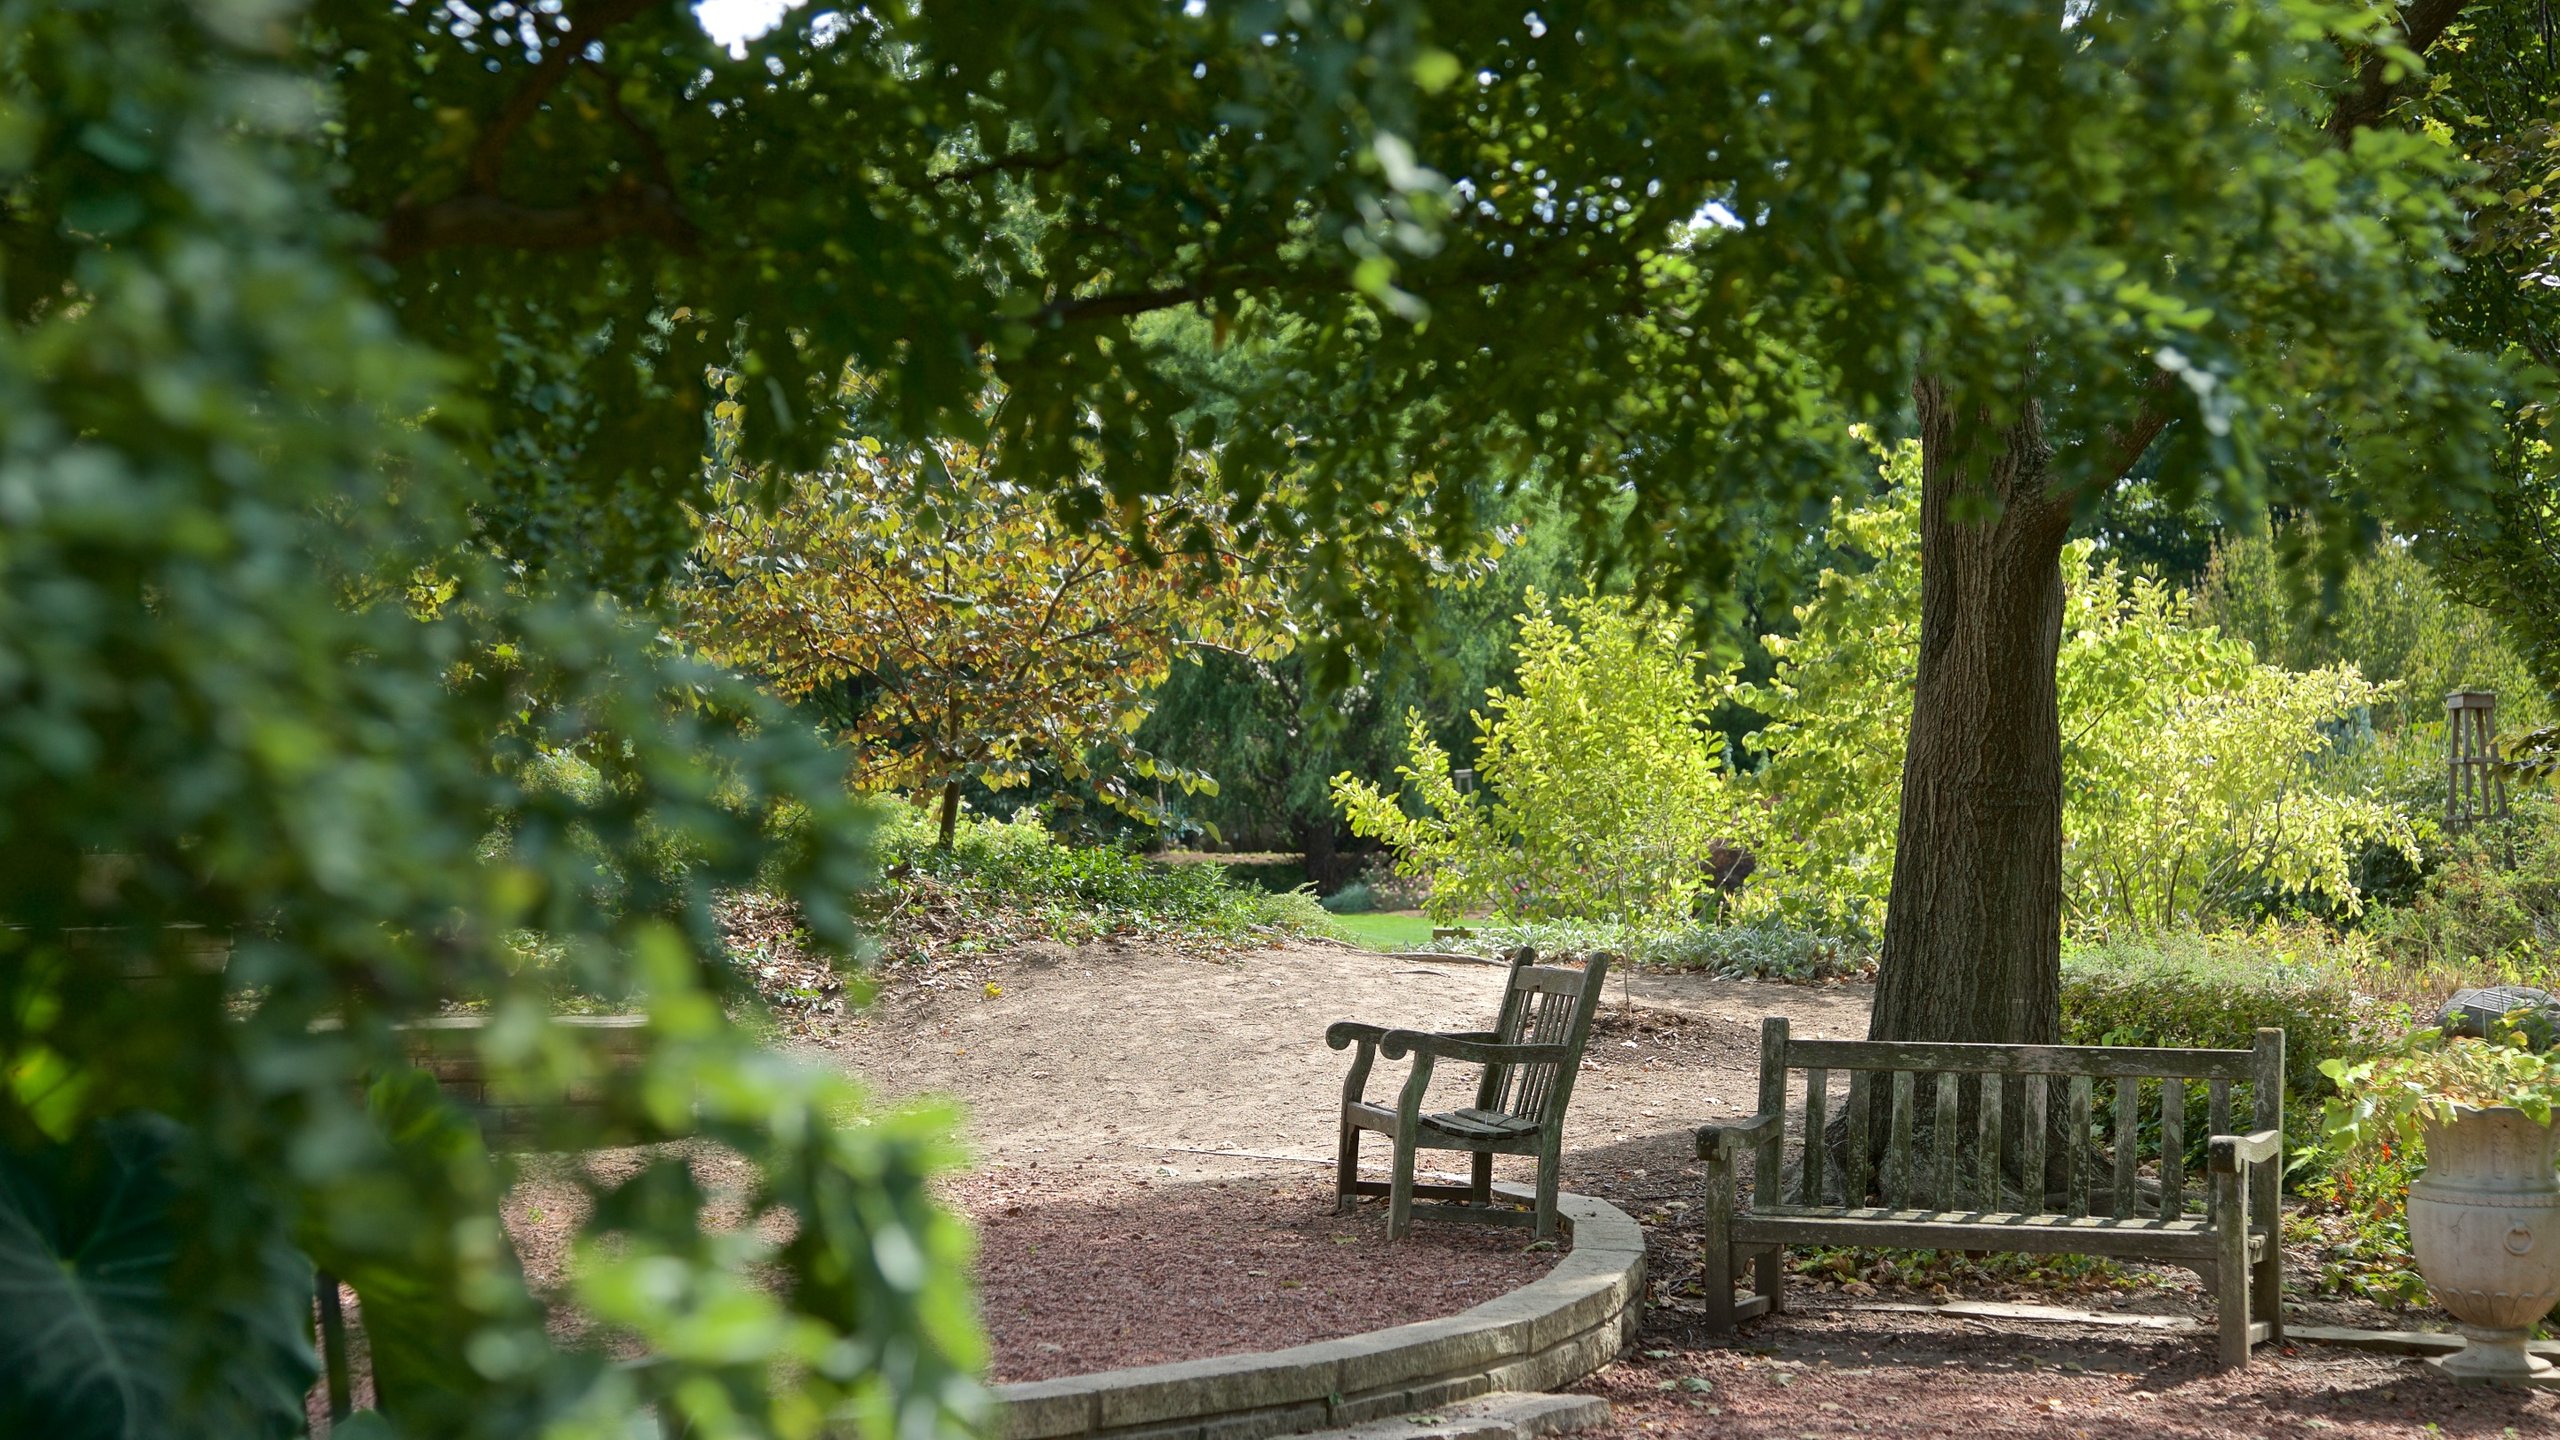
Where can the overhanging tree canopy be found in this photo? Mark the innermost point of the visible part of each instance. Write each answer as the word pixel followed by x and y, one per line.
pixel 1655 255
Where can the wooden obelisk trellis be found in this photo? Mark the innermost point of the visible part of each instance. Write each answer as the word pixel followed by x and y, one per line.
pixel 2475 789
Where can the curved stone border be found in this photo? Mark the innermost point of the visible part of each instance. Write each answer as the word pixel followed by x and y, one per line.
pixel 1550 1332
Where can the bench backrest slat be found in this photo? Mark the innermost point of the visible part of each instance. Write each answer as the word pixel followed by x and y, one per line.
pixel 1986 1145
pixel 1945 1142
pixel 2076 1145
pixel 1854 1176
pixel 2128 1131
pixel 1897 1159
pixel 2031 1133
pixel 1817 1100
pixel 1541 1005
pixel 2173 1148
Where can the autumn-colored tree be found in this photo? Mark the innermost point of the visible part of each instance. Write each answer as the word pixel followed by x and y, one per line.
pixel 953 627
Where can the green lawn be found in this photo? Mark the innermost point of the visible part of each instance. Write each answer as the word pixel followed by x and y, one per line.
pixel 1387 932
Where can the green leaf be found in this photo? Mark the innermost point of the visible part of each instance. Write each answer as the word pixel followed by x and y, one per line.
pixel 89 1344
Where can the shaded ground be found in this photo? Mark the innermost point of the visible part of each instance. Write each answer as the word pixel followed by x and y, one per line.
pixel 1136 1085
pixel 1827 1372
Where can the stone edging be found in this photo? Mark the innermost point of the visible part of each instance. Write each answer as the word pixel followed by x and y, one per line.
pixel 1548 1333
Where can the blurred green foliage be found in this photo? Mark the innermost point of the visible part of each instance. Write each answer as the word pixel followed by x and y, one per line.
pixel 273 783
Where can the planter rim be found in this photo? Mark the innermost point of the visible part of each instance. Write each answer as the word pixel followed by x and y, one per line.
pixel 2460 1109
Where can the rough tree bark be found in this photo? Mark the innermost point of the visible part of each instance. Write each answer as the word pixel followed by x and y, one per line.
pixel 1973 931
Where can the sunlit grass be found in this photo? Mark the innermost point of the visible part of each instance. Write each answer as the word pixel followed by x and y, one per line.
pixel 1385 932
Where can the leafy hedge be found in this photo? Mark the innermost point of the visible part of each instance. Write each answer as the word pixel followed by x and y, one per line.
pixel 1017 882
pixel 2213 991
pixel 1765 949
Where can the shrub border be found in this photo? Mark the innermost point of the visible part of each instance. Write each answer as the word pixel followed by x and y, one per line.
pixel 1550 1332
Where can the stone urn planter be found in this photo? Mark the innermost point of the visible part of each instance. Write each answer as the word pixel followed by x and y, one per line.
pixel 2485 1222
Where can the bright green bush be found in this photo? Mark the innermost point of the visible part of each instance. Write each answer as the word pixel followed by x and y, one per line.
pixel 2193 781
pixel 2390 619
pixel 1601 792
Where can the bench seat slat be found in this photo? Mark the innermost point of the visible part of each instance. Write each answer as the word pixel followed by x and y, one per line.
pixel 1456 1124
pixel 2104 1062
pixel 2142 1237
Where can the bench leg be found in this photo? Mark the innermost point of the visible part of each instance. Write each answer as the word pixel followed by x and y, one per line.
pixel 1550 1172
pixel 2231 1278
pixel 2266 1203
pixel 2266 1303
pixel 1717 1246
pixel 1769 1277
pixel 1717 1255
pixel 1346 1170
pixel 1400 1192
pixel 1480 1180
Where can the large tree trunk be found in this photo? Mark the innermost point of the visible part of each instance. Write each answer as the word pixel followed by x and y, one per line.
pixel 1973 931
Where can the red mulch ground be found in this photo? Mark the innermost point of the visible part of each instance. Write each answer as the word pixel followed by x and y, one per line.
pixel 1077 1276
pixel 1828 1373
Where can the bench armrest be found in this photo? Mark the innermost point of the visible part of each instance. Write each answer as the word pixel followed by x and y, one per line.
pixel 1720 1142
pixel 2227 1153
pixel 1341 1034
pixel 1478 1047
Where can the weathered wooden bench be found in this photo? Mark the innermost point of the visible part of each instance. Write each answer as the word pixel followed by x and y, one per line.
pixel 1530 1058
pixel 1961 1195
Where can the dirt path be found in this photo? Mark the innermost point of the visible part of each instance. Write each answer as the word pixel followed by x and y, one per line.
pixel 1110 1060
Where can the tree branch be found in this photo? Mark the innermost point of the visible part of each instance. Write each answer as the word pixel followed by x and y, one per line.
pixel 488 220
pixel 2373 92
pixel 1125 302
pixel 480 216
pixel 591 21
